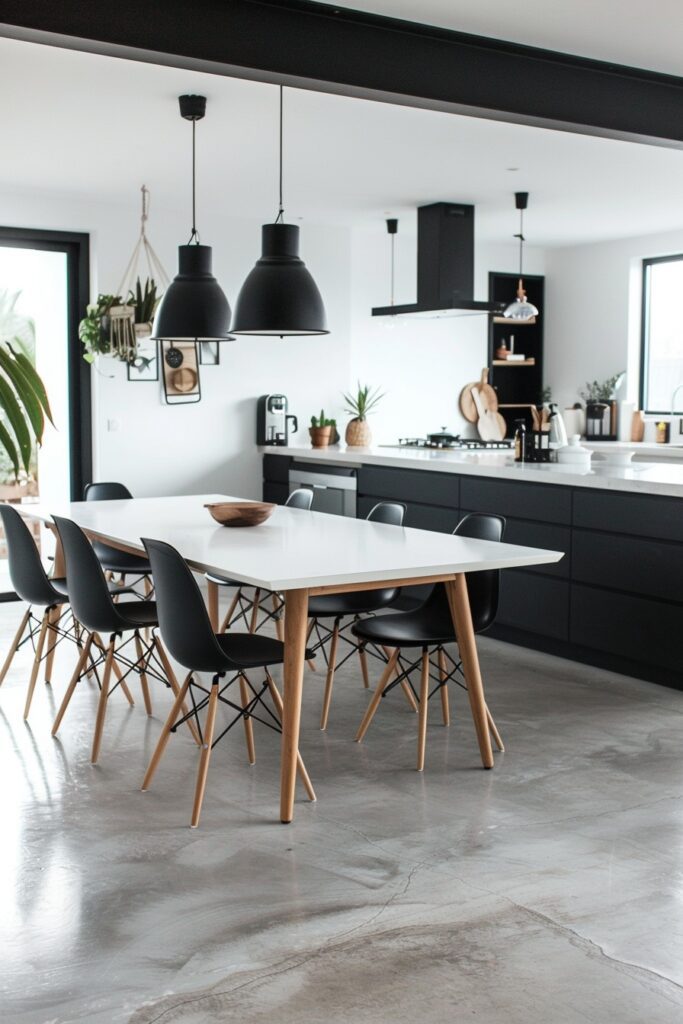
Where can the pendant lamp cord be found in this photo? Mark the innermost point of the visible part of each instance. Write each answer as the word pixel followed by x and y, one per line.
pixel 281 210
pixel 521 238
pixel 393 240
pixel 194 234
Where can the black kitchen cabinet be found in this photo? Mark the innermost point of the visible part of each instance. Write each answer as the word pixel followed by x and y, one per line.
pixel 615 600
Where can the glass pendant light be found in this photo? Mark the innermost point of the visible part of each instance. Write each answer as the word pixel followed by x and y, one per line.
pixel 279 297
pixel 194 307
pixel 521 308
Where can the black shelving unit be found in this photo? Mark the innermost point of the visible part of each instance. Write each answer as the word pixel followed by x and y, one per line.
pixel 518 385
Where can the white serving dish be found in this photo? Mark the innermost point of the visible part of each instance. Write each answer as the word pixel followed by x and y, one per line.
pixel 574 454
pixel 619 457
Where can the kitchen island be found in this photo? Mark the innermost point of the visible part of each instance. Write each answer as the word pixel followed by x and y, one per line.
pixel 615 600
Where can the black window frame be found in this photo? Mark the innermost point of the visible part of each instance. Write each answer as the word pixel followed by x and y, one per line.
pixel 76 246
pixel 644 332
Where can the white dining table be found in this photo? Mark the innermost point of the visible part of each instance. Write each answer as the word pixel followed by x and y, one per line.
pixel 301 554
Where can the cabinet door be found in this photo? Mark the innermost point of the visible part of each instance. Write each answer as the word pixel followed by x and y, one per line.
pixel 426 488
pixel 534 604
pixel 545 503
pixel 627 626
pixel 641 515
pixel 420 517
pixel 648 567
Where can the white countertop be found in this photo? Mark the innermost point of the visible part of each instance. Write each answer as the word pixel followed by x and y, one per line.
pixel 293 549
pixel 639 478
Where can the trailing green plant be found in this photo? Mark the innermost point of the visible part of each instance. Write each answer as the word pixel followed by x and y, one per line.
pixel 23 399
pixel 93 329
pixel 363 402
pixel 322 420
pixel 601 391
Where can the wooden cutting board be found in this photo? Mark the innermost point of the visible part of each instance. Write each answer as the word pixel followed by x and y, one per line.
pixel 490 423
pixel 488 395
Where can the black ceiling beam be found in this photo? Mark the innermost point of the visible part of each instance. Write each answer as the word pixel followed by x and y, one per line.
pixel 334 49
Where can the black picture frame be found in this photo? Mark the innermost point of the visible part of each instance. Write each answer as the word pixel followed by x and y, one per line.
pixel 150 372
pixel 209 353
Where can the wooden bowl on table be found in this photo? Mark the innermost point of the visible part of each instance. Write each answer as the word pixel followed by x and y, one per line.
pixel 240 513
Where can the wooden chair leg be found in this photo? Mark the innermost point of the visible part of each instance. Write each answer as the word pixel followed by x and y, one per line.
pixel 377 696
pixel 255 610
pixel 143 675
pixel 53 636
pixel 310 661
pixel 329 681
pixel 443 674
pixel 148 586
pixel 230 612
pixel 404 684
pixel 494 730
pixel 117 671
pixel 102 704
pixel 177 709
pixel 364 666
pixel 248 724
pixel 205 756
pixel 82 662
pixel 15 643
pixel 36 663
pixel 424 707
pixel 275 601
pixel 300 766
pixel 170 675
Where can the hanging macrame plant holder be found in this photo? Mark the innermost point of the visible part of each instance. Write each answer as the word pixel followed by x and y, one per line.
pixel 133 319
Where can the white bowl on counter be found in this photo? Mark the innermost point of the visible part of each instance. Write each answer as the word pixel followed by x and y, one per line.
pixel 574 454
pixel 618 457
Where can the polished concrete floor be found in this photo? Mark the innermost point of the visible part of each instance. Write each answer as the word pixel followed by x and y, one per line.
pixel 547 890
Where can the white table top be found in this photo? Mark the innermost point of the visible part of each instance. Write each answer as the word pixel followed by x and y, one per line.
pixel 293 549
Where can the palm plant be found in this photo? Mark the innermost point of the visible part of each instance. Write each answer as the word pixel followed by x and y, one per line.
pixel 363 402
pixel 23 399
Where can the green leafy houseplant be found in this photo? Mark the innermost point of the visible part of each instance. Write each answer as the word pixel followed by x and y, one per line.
pixel 94 328
pixel 360 405
pixel 601 391
pixel 23 399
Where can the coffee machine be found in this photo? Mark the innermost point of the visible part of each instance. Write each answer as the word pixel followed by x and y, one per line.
pixel 272 420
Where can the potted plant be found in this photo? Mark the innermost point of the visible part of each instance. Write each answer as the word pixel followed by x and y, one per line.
pixel 320 430
pixel 601 408
pixel 111 325
pixel 360 405
pixel 145 302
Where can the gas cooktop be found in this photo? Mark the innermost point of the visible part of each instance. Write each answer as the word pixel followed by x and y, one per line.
pixel 450 442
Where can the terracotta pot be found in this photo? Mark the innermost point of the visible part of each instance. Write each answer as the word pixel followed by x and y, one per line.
pixel 320 436
pixel 358 434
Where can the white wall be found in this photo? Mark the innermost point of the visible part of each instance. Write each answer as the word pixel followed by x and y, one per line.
pixel 421 365
pixel 209 446
pixel 593 320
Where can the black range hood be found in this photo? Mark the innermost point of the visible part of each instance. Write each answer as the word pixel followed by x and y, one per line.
pixel 445 266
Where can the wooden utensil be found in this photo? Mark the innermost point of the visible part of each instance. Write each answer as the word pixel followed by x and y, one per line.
pixel 240 513
pixel 466 403
pixel 487 423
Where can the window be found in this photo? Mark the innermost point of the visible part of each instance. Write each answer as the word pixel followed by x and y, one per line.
pixel 662 335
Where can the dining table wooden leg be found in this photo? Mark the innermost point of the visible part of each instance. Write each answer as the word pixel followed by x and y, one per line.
pixel 296 618
pixel 459 603
pixel 212 602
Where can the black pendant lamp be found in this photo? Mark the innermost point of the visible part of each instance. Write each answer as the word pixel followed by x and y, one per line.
pixel 194 307
pixel 279 297
pixel 521 308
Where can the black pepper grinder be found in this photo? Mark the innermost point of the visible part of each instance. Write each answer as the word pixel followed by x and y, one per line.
pixel 520 441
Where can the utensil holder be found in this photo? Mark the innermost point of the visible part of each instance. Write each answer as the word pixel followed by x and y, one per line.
pixel 538 446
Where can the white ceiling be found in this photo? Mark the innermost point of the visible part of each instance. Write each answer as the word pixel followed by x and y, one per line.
pixel 81 125
pixel 621 31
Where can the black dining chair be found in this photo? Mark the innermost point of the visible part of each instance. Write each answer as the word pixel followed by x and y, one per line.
pixel 94 607
pixel 345 610
pixel 113 561
pixel 186 629
pixel 32 585
pixel 248 607
pixel 430 628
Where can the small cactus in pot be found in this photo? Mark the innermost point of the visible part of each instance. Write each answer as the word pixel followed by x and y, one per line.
pixel 321 430
pixel 360 404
